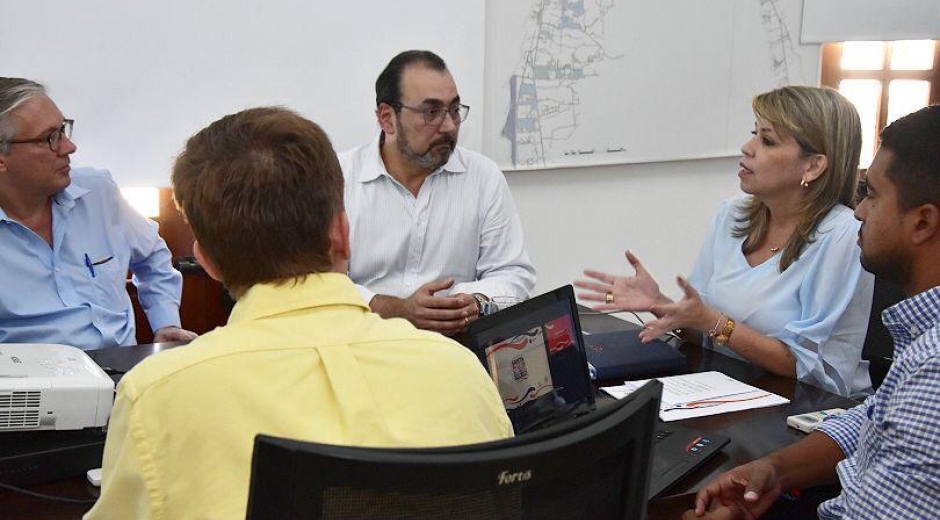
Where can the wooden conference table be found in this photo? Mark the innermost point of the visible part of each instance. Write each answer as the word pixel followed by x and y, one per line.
pixel 753 433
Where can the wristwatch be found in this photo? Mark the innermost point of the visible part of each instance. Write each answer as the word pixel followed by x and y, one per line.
pixel 484 304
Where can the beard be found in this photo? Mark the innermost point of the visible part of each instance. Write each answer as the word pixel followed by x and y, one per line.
pixel 890 266
pixel 432 158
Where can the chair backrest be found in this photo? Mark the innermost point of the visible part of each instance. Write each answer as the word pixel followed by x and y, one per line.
pixel 879 347
pixel 597 466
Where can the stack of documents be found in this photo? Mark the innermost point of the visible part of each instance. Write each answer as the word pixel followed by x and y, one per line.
pixel 701 394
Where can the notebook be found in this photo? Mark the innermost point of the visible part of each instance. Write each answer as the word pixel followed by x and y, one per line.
pixel 535 353
pixel 621 355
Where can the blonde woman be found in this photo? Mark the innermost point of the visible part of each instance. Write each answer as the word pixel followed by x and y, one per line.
pixel 778 280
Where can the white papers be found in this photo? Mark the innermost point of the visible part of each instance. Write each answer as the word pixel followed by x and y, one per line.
pixel 701 394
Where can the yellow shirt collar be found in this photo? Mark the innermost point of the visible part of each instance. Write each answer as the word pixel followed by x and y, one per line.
pixel 313 290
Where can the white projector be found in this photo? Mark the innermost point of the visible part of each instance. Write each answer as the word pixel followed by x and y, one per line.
pixel 51 387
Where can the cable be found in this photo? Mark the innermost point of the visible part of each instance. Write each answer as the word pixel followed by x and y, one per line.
pixel 602 313
pixel 670 333
pixel 68 500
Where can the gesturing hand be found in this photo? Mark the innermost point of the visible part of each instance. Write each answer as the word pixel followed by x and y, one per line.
pixel 690 312
pixel 639 292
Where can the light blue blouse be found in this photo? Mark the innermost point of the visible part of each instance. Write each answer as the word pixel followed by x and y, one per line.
pixel 819 306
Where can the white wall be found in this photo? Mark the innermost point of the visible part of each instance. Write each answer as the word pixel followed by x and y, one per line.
pixel 573 218
pixel 139 78
pixel 585 217
pixel 825 20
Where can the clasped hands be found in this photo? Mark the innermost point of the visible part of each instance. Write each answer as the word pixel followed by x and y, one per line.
pixel 445 314
pixel 640 293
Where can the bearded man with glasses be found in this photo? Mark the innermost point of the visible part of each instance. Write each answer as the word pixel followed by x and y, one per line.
pixel 435 232
pixel 68 239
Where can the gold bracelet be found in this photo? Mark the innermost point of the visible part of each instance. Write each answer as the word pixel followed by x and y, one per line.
pixel 714 332
pixel 725 336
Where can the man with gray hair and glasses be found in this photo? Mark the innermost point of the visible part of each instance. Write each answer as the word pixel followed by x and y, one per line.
pixel 68 239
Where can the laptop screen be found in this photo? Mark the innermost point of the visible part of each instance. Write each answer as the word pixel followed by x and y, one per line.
pixel 535 354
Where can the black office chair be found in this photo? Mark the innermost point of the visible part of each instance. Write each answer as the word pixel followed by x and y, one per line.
pixel 597 466
pixel 879 347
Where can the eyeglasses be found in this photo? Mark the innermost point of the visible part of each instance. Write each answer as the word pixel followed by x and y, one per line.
pixel 54 139
pixel 435 115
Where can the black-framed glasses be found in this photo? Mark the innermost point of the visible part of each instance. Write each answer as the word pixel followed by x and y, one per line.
pixel 434 116
pixel 54 139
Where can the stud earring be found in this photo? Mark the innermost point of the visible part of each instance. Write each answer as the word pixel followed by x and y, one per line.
pixel 803 183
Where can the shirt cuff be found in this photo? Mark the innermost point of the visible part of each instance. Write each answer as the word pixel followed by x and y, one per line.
pixel 486 288
pixel 844 429
pixel 366 294
pixel 161 316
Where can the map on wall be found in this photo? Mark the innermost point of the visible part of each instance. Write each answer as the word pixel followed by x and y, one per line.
pixel 580 82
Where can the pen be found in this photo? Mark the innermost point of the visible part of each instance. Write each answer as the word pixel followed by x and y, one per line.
pixel 89 265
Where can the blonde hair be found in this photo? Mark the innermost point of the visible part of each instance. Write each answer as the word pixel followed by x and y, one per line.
pixel 821 121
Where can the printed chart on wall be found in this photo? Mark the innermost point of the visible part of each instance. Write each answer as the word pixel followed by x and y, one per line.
pixel 586 82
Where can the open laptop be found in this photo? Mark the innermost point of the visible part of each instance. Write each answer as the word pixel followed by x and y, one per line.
pixel 535 353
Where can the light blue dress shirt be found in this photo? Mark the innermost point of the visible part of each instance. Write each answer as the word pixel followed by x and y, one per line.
pixel 892 464
pixel 75 292
pixel 462 225
pixel 819 306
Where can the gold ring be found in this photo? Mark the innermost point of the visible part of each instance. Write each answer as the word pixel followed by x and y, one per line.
pixel 610 298
pixel 466 320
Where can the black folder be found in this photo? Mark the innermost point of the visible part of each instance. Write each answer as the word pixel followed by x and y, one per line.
pixel 621 355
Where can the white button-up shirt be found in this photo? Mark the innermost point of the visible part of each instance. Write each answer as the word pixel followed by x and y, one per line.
pixel 462 225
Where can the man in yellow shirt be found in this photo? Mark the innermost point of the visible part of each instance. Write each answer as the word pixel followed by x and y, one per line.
pixel 302 355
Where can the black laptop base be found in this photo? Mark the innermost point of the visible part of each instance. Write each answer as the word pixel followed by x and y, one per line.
pixel 677 451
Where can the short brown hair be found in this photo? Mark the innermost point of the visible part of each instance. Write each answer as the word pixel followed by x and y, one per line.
pixel 260 189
